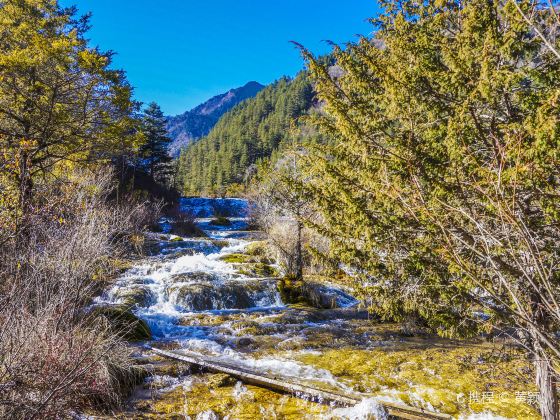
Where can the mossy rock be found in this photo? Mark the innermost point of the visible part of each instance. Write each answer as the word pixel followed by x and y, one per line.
pixel 236 258
pixel 292 290
pixel 257 248
pixel 123 322
pixel 253 328
pixel 259 270
pixel 208 296
pixel 218 296
pixel 187 229
pixel 219 380
pixel 220 221
pixel 219 243
pixel 298 291
pixel 246 327
pixel 204 320
pixel 141 296
pixel 196 276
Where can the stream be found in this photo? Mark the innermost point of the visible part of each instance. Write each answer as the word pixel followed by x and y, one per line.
pixel 193 298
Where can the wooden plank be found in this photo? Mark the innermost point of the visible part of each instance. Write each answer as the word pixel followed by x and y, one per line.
pixel 301 391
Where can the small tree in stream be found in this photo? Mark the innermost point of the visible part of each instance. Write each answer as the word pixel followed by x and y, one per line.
pixel 442 192
pixel 282 210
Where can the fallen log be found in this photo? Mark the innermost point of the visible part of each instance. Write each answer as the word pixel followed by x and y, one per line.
pixel 399 411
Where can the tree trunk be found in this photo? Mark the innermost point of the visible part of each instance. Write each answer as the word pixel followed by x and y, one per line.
pixel 548 398
pixel 25 184
pixel 299 256
pixel 545 378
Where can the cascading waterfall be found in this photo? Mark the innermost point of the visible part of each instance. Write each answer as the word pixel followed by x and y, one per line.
pixel 171 289
pixel 188 280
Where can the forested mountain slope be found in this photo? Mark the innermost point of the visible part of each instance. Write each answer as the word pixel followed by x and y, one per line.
pixel 198 122
pixel 251 131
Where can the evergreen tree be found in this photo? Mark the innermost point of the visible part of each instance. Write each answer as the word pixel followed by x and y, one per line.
pixel 249 132
pixel 155 150
pixel 441 191
pixel 60 101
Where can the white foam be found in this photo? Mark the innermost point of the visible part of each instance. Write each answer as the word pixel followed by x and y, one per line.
pixel 239 390
pixel 483 416
pixel 200 262
pixel 202 346
pixel 364 410
pixel 207 415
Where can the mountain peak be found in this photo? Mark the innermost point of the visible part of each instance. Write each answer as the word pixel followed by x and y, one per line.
pixel 198 122
pixel 253 83
pixel 222 103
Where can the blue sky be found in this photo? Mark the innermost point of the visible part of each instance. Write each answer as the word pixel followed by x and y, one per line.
pixel 181 52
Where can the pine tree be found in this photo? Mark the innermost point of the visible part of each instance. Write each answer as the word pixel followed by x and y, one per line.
pixel 154 152
pixel 441 190
pixel 249 132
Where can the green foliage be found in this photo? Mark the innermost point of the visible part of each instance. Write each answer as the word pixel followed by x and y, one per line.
pixel 154 152
pixel 60 100
pixel 249 133
pixel 441 191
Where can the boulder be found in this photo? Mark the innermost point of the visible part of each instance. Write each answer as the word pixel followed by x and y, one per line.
pixel 138 296
pixel 123 322
pixel 217 296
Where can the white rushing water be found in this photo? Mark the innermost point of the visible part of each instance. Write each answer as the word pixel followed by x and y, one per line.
pixel 188 278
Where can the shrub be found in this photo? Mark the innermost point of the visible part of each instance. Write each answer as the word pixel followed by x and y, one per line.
pixel 54 361
pixel 220 221
pixel 184 223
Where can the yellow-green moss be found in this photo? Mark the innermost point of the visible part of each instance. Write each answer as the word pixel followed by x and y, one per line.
pixel 252 403
pixel 259 270
pixel 444 377
pixel 132 297
pixel 219 243
pixel 257 248
pixel 236 258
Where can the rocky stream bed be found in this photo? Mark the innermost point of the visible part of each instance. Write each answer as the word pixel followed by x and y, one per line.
pixel 218 295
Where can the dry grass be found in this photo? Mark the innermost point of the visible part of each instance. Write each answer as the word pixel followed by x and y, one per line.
pixel 55 359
